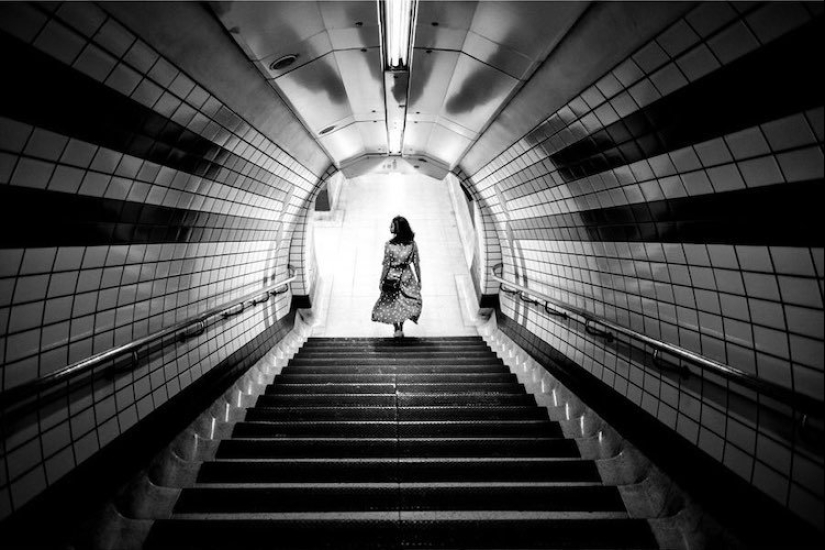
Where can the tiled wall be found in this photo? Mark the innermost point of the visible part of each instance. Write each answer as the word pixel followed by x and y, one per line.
pixel 487 250
pixel 302 250
pixel 131 198
pixel 680 195
pixel 464 216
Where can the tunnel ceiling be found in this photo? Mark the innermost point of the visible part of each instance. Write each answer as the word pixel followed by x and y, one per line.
pixel 469 59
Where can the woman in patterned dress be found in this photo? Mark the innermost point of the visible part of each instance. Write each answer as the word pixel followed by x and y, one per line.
pixel 396 306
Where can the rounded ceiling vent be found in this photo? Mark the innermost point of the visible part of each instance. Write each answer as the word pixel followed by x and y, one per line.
pixel 327 130
pixel 283 62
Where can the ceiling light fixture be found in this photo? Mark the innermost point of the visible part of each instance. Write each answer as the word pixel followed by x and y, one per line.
pixel 398 26
pixel 397 19
pixel 283 62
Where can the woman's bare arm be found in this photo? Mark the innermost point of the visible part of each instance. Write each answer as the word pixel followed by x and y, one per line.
pixel 417 263
pixel 386 265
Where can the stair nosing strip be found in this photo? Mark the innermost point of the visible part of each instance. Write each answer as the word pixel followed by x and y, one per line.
pixel 401 485
pixel 395 515
pixel 393 438
pixel 393 422
pixel 411 460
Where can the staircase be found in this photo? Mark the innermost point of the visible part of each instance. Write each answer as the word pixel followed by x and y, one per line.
pixel 386 444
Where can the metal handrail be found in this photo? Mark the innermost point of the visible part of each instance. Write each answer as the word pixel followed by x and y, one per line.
pixel 801 402
pixel 233 307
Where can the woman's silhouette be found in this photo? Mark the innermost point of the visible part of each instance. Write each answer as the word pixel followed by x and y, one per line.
pixel 400 286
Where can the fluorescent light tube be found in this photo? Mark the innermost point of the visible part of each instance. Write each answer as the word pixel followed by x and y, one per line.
pixel 398 28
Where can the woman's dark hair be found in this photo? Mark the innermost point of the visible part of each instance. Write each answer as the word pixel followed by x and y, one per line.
pixel 403 231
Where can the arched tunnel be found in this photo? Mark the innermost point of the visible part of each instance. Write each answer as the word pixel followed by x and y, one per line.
pixel 616 207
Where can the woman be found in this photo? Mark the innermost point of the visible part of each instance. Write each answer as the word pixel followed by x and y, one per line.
pixel 400 287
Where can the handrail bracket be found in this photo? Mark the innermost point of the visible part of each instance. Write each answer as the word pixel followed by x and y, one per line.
pixel 593 331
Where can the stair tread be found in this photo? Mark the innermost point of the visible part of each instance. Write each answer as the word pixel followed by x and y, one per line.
pixel 400 439
pixel 402 460
pixel 389 339
pixel 391 530
pixel 400 485
pixel 392 412
pixel 401 422
pixel 395 515
pixel 435 378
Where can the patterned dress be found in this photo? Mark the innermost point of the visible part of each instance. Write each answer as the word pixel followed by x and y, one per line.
pixel 398 306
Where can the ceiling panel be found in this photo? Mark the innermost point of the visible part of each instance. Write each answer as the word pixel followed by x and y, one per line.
pixel 270 28
pixel 416 137
pixel 443 25
pixel 310 49
pixel 457 128
pixel 317 92
pixel 508 60
pixel 446 145
pixel 523 26
pixel 361 72
pixel 429 80
pixel 351 25
pixel 373 135
pixel 363 165
pixel 344 143
pixel 476 92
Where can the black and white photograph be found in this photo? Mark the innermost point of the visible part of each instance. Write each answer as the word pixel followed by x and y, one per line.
pixel 412 275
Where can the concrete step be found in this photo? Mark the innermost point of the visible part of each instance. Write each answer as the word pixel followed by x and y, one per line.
pixel 408 447
pixel 396 341
pixel 525 412
pixel 393 359
pixel 432 378
pixel 394 429
pixel 394 347
pixel 390 531
pixel 404 470
pixel 354 497
pixel 397 369
pixel 394 400
pixel 418 352
pixel 386 388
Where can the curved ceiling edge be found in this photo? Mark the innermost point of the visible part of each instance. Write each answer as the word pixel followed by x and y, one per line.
pixel 188 34
pixel 420 164
pixel 602 37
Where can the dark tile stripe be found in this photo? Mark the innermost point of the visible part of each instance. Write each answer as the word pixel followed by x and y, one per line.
pixel 39 90
pixel 35 217
pixel 769 83
pixel 784 215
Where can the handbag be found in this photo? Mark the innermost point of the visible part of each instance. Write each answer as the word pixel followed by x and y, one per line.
pixel 392 282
